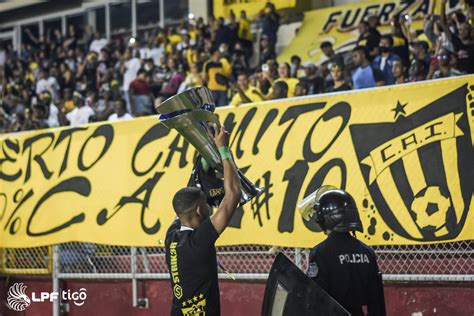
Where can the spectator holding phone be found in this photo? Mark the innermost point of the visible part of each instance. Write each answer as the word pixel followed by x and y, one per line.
pixel 441 66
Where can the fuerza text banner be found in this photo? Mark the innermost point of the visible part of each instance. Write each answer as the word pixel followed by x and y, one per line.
pixel 338 25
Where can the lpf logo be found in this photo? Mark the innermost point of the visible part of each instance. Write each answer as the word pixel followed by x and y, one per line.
pixel 18 300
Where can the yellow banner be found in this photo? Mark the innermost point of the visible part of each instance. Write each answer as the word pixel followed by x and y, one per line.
pixel 222 8
pixel 404 152
pixel 338 25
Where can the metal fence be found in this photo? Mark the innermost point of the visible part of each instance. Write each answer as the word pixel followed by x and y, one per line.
pixel 438 262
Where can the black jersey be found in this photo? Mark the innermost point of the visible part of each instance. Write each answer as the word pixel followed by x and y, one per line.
pixel 347 269
pixel 192 263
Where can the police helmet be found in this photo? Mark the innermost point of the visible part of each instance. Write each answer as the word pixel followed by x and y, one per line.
pixel 336 210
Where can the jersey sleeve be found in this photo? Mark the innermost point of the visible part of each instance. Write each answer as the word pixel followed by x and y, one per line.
pixel 206 67
pixel 236 101
pixel 226 68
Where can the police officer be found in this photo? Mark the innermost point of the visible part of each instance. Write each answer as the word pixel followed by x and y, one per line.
pixel 342 265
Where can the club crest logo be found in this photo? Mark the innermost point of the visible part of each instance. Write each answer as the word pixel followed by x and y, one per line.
pixel 420 166
pixel 17 299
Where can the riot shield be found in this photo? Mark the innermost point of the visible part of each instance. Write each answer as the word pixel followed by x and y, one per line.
pixel 290 292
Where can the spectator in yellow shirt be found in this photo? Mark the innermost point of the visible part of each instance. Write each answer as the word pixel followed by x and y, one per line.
pixel 173 37
pixel 284 75
pixel 245 92
pixel 217 71
pixel 193 79
pixel 245 33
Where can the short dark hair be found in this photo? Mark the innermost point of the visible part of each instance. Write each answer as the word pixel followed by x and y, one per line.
pixel 295 57
pixel 388 37
pixel 141 71
pixel 325 44
pixel 186 200
pixel 122 102
pixel 422 44
pixel 283 86
pixel 337 64
pixel 363 50
pixel 213 50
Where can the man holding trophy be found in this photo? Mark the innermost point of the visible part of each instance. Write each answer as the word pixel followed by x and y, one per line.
pixel 190 240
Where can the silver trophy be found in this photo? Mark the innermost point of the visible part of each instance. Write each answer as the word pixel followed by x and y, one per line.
pixel 191 113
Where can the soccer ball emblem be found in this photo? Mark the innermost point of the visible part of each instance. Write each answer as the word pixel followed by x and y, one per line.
pixel 430 208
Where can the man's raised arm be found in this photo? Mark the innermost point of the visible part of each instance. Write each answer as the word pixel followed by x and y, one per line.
pixel 232 188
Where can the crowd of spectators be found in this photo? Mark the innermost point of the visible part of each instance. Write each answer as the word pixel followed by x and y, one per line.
pixel 63 79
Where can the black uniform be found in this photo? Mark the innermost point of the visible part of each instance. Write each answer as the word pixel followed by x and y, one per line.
pixel 347 269
pixel 192 263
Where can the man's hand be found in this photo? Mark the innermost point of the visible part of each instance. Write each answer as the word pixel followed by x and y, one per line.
pixel 221 136
pixel 221 218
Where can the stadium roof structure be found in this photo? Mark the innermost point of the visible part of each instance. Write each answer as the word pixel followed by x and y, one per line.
pixel 15 4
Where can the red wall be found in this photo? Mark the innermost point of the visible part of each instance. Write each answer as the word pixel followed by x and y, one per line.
pixel 237 298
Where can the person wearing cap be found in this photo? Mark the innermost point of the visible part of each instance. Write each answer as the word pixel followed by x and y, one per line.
pixel 312 80
pixel 345 267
